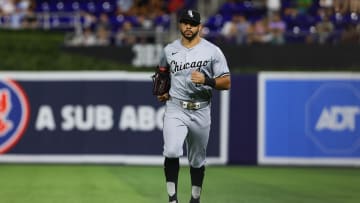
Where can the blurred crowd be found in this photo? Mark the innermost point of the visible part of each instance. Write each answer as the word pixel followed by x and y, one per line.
pixel 287 21
pixel 18 14
pixel 133 21
pixel 125 22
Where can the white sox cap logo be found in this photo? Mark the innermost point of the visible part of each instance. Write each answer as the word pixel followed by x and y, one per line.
pixel 191 17
pixel 190 13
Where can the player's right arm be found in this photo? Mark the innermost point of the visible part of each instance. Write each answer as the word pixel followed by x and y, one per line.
pixel 163 97
pixel 164 65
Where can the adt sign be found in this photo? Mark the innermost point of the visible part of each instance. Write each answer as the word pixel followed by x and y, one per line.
pixel 309 118
pixel 333 118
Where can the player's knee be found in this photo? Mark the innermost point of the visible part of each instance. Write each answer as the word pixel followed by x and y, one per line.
pixel 197 162
pixel 172 153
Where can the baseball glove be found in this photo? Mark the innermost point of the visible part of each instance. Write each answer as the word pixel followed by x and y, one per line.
pixel 161 81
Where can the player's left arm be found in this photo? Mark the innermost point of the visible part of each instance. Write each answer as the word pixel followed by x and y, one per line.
pixel 220 83
pixel 221 72
pixel 220 79
pixel 223 82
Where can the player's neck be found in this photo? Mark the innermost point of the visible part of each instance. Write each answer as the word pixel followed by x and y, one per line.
pixel 190 43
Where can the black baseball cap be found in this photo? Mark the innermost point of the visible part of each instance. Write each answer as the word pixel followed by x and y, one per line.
pixel 190 16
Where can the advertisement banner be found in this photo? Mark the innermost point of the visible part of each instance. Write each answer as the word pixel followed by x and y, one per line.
pixel 309 118
pixel 90 117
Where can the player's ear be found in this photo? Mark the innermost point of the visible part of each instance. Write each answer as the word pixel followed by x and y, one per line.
pixel 179 26
pixel 202 31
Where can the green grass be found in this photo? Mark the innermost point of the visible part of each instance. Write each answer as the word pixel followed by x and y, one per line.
pixel 137 184
pixel 41 50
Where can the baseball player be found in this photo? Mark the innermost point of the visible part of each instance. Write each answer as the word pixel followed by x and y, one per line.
pixel 195 67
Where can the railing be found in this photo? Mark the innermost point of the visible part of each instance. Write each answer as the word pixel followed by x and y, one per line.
pixel 44 20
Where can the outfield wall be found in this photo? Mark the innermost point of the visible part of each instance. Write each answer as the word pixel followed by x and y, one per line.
pixel 264 57
pixel 90 117
pixel 270 118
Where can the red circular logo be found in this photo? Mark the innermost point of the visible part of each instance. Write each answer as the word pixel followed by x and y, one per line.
pixel 14 114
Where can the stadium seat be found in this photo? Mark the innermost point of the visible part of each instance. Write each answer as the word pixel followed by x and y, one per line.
pixel 215 22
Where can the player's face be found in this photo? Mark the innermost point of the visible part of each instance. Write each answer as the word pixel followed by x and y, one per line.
pixel 189 31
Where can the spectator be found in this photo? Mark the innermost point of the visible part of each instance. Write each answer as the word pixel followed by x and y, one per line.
pixel 325 30
pixel 88 38
pixel 7 7
pixel 102 37
pixel 273 6
pixel 103 22
pixel 304 5
pixel 124 6
pixel 124 35
pixel 259 32
pixel 328 3
pixel 145 25
pixel 354 6
pixel 29 19
pixel 345 6
pixel 8 10
pixel 89 19
pixel 84 37
pixel 145 22
pixel 277 28
pixel 351 34
pixel 236 30
pixel 161 20
pixel 229 8
pixel 103 30
pixel 340 6
pixel 291 16
pixel 17 16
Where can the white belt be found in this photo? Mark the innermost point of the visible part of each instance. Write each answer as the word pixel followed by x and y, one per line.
pixel 190 105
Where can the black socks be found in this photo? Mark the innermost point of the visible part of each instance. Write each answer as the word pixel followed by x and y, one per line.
pixel 197 175
pixel 197 178
pixel 171 169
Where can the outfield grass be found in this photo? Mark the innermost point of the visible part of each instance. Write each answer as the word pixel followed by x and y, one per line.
pixel 136 184
pixel 41 50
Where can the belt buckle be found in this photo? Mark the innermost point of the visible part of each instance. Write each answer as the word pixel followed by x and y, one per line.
pixel 197 105
pixel 184 104
pixel 194 106
pixel 190 105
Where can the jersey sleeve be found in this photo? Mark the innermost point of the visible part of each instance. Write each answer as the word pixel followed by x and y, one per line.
pixel 163 59
pixel 220 67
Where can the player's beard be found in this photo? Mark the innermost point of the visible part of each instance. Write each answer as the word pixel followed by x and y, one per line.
pixel 190 37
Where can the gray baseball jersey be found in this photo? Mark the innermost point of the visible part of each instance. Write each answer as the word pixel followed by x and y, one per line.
pixel 182 124
pixel 204 57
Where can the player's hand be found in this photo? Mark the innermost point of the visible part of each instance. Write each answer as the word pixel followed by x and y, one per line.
pixel 197 77
pixel 163 97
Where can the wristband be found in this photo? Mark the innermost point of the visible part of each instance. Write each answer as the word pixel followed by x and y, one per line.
pixel 210 82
